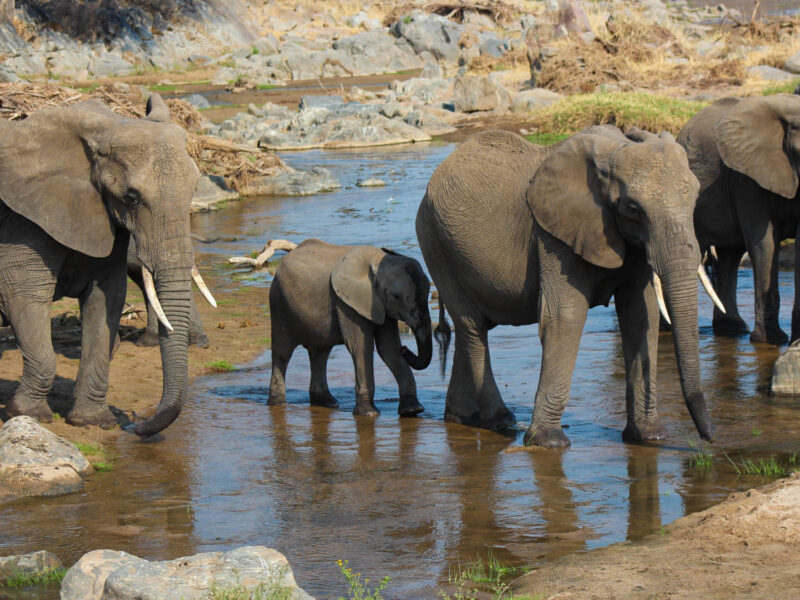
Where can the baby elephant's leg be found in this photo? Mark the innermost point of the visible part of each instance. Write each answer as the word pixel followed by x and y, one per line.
pixel 387 340
pixel 318 390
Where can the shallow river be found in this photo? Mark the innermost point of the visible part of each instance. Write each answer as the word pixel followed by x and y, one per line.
pixel 408 498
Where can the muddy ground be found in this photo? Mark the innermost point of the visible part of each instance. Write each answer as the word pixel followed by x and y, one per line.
pixel 745 547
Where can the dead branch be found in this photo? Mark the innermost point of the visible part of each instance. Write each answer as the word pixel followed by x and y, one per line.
pixel 271 247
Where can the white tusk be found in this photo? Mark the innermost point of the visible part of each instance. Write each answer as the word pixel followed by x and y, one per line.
pixel 660 297
pixel 701 273
pixel 150 290
pixel 201 285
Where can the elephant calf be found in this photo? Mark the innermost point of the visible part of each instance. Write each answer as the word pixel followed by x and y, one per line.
pixel 324 295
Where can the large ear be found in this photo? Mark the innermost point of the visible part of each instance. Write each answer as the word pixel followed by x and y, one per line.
pixel 353 280
pixel 157 109
pixel 750 140
pixel 45 175
pixel 566 197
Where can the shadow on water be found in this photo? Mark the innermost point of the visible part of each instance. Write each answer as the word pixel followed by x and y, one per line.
pixel 408 497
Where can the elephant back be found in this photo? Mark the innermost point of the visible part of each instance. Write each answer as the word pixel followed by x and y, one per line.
pixel 699 138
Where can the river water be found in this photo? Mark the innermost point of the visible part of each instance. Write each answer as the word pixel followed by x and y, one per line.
pixel 407 498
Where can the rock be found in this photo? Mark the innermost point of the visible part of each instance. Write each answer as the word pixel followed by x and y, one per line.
pixel 28 564
pixel 109 574
pixel 768 73
pixel 431 70
pixel 391 110
pixel 110 65
pixel 371 182
pixel 223 76
pixel 267 45
pixel 430 33
pixel 211 190
pixel 295 183
pixel 479 92
pixel 36 462
pixel 572 17
pixel 329 102
pixel 793 64
pixel 7 75
pixel 427 122
pixel 493 46
pixel 197 100
pixel 425 91
pixel 530 100
pixel 786 372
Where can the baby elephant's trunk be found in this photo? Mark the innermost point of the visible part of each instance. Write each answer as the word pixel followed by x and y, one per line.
pixel 424 346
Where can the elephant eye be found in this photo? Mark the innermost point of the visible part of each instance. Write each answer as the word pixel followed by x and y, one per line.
pixel 132 198
pixel 633 209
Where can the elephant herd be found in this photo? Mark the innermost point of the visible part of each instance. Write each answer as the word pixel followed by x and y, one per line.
pixel 512 233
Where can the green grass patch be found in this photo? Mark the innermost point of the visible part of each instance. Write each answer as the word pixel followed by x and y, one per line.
pixel 164 87
pixel 770 467
pixel 623 109
pixel 264 341
pixel 488 570
pixel 546 139
pixel 757 432
pixel 22 580
pixel 274 590
pixel 701 460
pixel 89 88
pixel 97 456
pixel 786 87
pixel 219 366
pixel 266 86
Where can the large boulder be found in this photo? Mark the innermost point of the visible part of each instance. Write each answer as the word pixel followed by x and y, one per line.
pixel 473 93
pixel 786 372
pixel 28 564
pixel 793 64
pixel 294 183
pixel 430 33
pixel 36 462
pixel 113 575
pixel 768 73
pixel 530 100
pixel 210 191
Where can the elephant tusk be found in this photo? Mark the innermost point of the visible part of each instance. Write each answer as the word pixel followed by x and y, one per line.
pixel 662 306
pixel 701 273
pixel 152 297
pixel 201 285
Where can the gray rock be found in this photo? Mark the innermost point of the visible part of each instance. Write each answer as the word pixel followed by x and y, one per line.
pixel 479 92
pixel 36 462
pixel 210 191
pixel 426 91
pixel 430 33
pixel 768 73
pixel 431 70
pixel 197 100
pixel 28 564
pixel 493 46
pixel 295 183
pixel 110 65
pixel 786 372
pixel 793 63
pixel 530 100
pixel 429 123
pixel 267 45
pixel 223 76
pixel 7 75
pixel 394 109
pixel 371 182
pixel 330 102
pixel 112 575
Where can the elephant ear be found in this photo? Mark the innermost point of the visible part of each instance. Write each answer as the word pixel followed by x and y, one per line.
pixel 353 281
pixel 46 175
pixel 566 197
pixel 750 139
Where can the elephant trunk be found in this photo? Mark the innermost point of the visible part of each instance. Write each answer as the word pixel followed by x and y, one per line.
pixel 173 288
pixel 424 338
pixel 680 292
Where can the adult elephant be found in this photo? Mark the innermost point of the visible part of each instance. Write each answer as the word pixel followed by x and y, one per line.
pixel 75 184
pixel 746 154
pixel 514 233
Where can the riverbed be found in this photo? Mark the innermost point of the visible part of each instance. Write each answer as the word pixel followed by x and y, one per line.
pixel 408 498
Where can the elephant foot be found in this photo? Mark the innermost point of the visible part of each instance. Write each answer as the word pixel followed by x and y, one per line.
pixel 500 420
pixel 366 409
pixel 148 339
pixel 36 409
pixel 643 432
pixel 101 417
pixel 409 406
pixel 276 399
pixel 546 438
pixel 770 335
pixel 324 399
pixel 199 339
pixel 730 327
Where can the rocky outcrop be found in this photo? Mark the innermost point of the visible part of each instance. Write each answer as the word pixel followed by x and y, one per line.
pixel 36 462
pixel 786 372
pixel 28 564
pixel 473 93
pixel 110 574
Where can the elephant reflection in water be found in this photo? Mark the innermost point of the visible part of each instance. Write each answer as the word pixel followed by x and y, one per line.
pixel 644 506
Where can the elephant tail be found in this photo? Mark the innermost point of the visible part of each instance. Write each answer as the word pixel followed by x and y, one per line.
pixel 442 335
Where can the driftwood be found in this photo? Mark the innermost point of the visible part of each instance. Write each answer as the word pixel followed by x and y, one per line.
pixel 271 247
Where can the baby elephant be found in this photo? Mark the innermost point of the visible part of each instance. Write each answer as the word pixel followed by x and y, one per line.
pixel 324 295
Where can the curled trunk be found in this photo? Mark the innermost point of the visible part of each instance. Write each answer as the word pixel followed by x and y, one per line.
pixel 424 347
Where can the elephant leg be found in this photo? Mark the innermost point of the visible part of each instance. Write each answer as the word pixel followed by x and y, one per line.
pixel 101 308
pixel 388 344
pixel 764 255
pixel 472 395
pixel 638 316
pixel 729 323
pixel 283 345
pixel 796 307
pixel 360 342
pixel 318 390
pixel 561 323
pixel 197 334
pixel 31 324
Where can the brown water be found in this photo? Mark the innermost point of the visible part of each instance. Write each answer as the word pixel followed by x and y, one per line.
pixel 407 498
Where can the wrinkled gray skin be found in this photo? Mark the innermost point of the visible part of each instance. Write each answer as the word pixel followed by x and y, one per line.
pixel 324 295
pixel 746 155
pixel 76 184
pixel 514 233
pixel 149 337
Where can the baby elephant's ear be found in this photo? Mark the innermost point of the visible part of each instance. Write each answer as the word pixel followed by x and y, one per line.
pixel 353 281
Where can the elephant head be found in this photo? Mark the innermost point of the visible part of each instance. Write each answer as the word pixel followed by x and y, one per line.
pixel 379 282
pixel 601 195
pixel 760 137
pixel 82 173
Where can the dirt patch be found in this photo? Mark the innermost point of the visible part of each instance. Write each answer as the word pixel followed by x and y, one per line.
pixel 745 547
pixel 135 376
